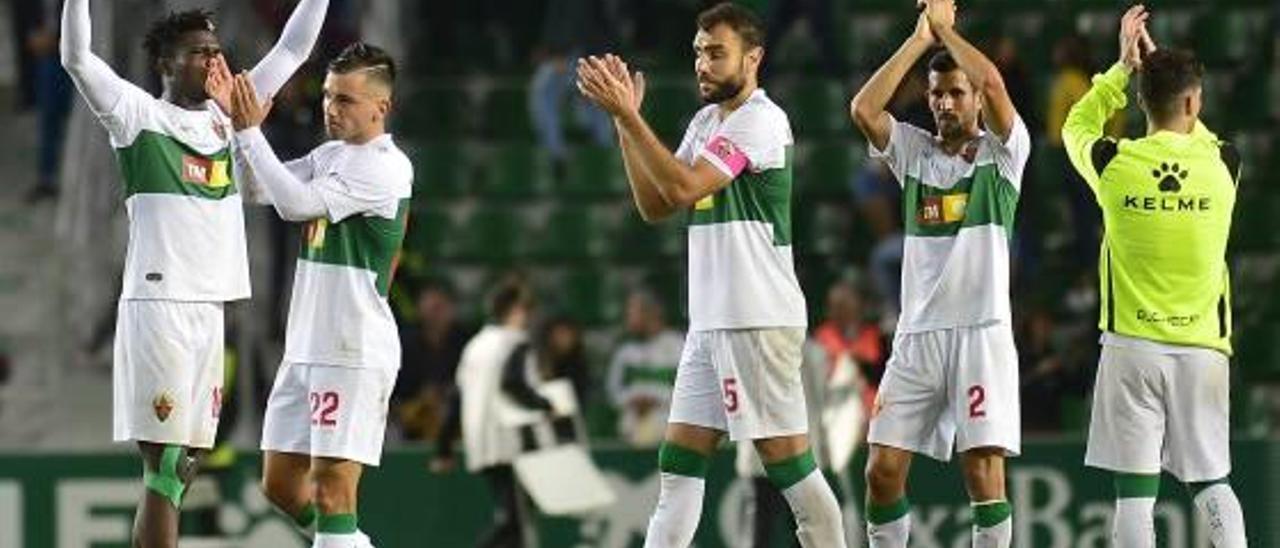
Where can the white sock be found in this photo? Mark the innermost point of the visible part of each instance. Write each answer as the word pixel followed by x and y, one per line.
pixel 818 520
pixel 333 540
pixel 1134 523
pixel 675 519
pixel 889 535
pixel 1220 509
pixel 998 536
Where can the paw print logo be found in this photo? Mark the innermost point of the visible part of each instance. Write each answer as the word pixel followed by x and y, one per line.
pixel 1170 177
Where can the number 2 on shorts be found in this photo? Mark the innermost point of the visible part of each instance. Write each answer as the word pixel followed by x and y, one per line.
pixel 323 405
pixel 977 396
pixel 731 395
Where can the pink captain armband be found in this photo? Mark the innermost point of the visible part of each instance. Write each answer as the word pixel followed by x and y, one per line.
pixel 726 156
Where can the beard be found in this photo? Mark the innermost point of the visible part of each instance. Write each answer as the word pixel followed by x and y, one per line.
pixel 949 125
pixel 723 91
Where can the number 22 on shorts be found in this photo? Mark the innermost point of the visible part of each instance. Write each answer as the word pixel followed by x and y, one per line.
pixel 323 407
pixel 977 399
pixel 731 395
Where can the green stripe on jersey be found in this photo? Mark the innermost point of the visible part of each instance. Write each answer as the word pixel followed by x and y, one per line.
pixel 763 196
pixel 159 164
pixel 983 198
pixel 364 242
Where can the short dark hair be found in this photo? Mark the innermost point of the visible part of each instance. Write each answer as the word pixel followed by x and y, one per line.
pixel 511 292
pixel 742 20
pixel 1165 75
pixel 373 60
pixel 164 33
pixel 942 61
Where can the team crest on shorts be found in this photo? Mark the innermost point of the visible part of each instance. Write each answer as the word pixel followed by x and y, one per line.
pixel 162 404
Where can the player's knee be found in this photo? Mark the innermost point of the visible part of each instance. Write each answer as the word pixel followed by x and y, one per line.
pixel 885 475
pixel 984 474
pixel 278 491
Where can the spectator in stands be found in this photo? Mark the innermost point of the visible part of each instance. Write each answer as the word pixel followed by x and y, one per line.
pixel 432 348
pixel 643 371
pixel 52 95
pixel 497 369
pixel 570 29
pixel 846 333
pixel 562 355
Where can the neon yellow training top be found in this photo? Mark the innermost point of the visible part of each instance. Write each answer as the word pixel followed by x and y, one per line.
pixel 1166 202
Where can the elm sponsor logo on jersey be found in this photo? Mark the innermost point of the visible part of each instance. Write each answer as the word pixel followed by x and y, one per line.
pixel 205 172
pixel 940 210
pixel 163 405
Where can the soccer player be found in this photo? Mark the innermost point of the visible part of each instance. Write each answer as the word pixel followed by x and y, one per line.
pixel 952 381
pixel 740 370
pixel 186 253
pixel 1162 394
pixel 327 412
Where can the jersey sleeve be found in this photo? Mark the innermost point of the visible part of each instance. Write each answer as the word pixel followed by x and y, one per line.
pixel 293 48
pixel 685 152
pixel 1082 133
pixel 905 142
pixel 367 184
pixel 753 138
pixel 117 103
pixel 1011 154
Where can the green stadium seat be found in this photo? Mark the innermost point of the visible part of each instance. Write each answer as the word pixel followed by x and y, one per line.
pixel 429 229
pixel 440 169
pixel 633 241
pixel 491 234
pixel 593 172
pixel 438 113
pixel 824 169
pixel 514 171
pixel 668 107
pixel 506 114
pixel 818 108
pixel 570 233
pixel 588 296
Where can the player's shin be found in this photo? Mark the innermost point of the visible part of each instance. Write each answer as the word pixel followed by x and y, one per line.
pixel 818 520
pixel 1134 523
pixel 1218 505
pixel 683 482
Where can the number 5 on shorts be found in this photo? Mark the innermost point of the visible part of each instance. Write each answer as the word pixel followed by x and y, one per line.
pixel 731 395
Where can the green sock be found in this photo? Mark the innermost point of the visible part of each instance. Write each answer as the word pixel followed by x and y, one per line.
pixel 991 513
pixel 336 524
pixel 306 517
pixel 789 472
pixel 1135 486
pixel 880 515
pixel 682 461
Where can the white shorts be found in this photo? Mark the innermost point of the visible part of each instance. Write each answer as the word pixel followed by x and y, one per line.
pixel 167 377
pixel 950 386
pixel 1155 409
pixel 744 381
pixel 328 411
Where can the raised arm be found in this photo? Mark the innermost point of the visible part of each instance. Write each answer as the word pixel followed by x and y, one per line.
pixel 293 198
pixel 679 185
pixel 100 86
pixel 292 49
pixel 998 111
pixel 1082 133
pixel 649 202
pixel 868 107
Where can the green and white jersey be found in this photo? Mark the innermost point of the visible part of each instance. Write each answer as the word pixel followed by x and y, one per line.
pixel 186 220
pixel 741 273
pixel 645 367
pixel 338 314
pixel 958 212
